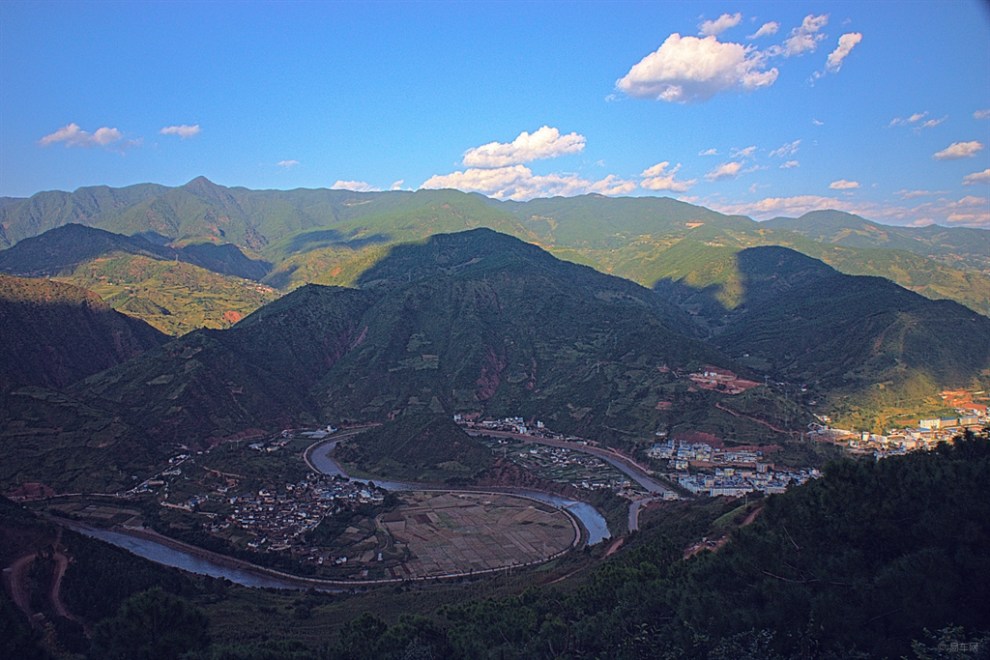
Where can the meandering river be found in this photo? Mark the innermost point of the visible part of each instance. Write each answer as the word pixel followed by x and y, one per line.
pixel 318 457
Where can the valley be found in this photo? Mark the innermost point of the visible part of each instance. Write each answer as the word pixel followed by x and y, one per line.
pixel 507 419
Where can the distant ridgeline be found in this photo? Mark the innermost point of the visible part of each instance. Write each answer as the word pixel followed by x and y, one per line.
pixel 287 238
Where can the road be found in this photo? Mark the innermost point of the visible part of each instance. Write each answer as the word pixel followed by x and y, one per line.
pixel 625 464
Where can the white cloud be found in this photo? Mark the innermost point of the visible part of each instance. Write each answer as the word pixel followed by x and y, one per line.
pixel 842 184
pixel 970 211
pixel 846 44
pixel 817 122
pixel 914 119
pixel 518 182
pixel 287 163
pixel 977 177
pixel 659 178
pixel 910 119
pixel 355 186
pixel 720 24
pixel 915 194
pixel 982 114
pixel 790 164
pixel 788 149
pixel 73 136
pixel 545 142
pixel 728 170
pixel 804 39
pixel 184 131
pixel 766 30
pixel 959 150
pixel 687 69
pixel 746 152
pixel 397 185
pixel 709 152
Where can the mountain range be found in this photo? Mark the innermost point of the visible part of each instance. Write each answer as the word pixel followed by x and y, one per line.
pixel 332 236
pixel 481 322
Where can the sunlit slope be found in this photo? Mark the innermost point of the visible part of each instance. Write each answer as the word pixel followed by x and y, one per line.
pixel 53 334
pixel 330 236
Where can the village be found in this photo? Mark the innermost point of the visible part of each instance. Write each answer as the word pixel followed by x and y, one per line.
pixel 280 515
pixel 970 415
pixel 279 518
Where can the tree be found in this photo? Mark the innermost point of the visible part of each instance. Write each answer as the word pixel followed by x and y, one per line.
pixel 151 625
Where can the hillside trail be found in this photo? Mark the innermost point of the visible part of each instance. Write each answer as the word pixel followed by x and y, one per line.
pixel 17 579
pixel 762 422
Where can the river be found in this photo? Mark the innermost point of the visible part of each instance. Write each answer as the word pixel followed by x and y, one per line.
pixel 193 562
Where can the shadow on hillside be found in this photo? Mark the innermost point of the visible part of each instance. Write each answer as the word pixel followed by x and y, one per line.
pixel 226 259
pixel 322 238
pixel 761 273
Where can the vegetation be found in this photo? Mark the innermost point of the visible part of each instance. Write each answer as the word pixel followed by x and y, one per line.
pixel 329 236
pixel 858 563
pixel 421 448
pixel 55 334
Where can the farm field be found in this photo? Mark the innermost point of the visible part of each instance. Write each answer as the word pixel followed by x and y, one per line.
pixel 455 533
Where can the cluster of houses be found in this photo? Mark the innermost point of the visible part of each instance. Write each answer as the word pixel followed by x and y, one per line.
pixel 507 425
pixel 575 468
pixel 278 518
pixel 706 470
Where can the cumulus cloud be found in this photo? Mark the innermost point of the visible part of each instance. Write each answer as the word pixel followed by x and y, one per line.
pixel 977 177
pixel 517 182
pixel 545 142
pixel 708 152
pixel 846 44
pixel 720 24
pixel 184 131
pixel 788 149
pixel 745 152
pixel 959 150
pixel 805 38
pixel 287 163
pixel 790 164
pixel 659 177
pixel 355 186
pixel 982 114
pixel 766 30
pixel 728 170
pixel 842 184
pixel 689 69
pixel 73 136
pixel 817 122
pixel 397 185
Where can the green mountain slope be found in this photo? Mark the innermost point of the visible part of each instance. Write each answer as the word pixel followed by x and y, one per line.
pixel 475 321
pixel 965 246
pixel 174 289
pixel 54 334
pixel 864 342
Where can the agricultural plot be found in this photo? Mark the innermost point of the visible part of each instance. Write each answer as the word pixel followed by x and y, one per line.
pixel 456 533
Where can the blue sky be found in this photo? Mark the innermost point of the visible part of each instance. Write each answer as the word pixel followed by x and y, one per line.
pixel 762 108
